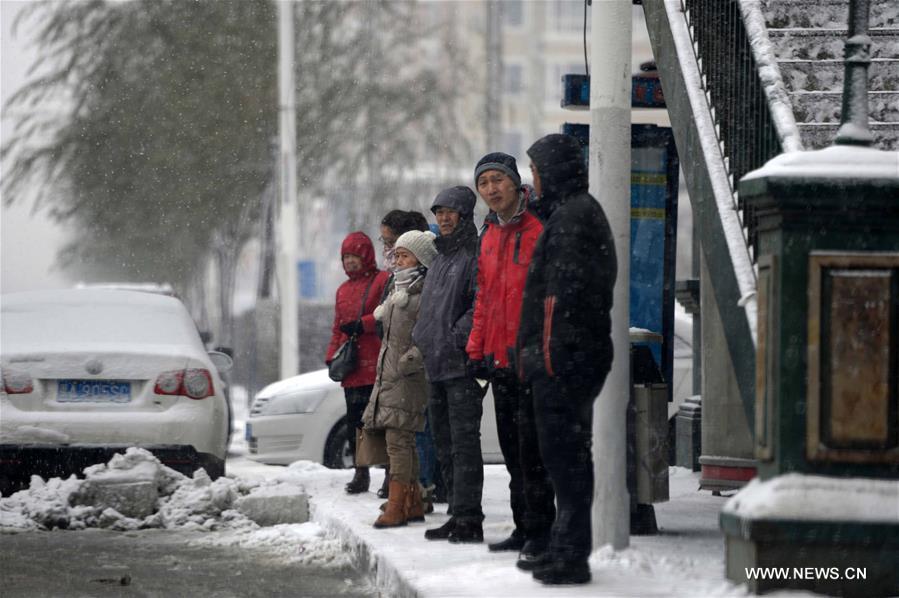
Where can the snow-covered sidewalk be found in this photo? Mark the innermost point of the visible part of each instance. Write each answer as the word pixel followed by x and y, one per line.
pixel 685 559
pixel 262 508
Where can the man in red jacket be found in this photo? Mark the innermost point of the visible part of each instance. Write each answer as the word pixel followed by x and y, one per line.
pixel 357 298
pixel 505 254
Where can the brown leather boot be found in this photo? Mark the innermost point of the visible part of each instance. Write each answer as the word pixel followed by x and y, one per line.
pixel 395 514
pixel 415 508
pixel 360 482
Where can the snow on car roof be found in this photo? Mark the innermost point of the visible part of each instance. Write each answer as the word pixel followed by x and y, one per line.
pixel 144 287
pixel 65 318
pixel 316 380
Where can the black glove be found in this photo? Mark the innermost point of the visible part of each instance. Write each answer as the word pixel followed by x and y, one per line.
pixel 353 328
pixel 477 369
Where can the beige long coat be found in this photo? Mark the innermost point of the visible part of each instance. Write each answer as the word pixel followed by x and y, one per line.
pixel 399 397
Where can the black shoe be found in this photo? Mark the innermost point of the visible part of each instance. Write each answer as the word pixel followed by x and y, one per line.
pixel 359 483
pixel 533 554
pixel 563 572
pixel 513 542
pixel 467 533
pixel 441 533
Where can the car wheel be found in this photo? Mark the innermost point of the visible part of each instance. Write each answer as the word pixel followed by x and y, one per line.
pixel 337 448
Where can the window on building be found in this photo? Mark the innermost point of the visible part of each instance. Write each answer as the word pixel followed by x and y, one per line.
pixel 512 12
pixel 566 16
pixel 513 79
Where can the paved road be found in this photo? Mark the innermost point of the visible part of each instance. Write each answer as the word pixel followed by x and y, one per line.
pixel 156 563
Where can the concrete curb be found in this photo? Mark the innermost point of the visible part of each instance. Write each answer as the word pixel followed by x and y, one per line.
pixel 382 573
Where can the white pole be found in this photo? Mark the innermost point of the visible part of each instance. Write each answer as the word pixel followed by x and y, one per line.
pixel 610 173
pixel 287 246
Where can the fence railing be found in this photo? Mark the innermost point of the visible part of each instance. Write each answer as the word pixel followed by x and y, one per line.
pixel 746 130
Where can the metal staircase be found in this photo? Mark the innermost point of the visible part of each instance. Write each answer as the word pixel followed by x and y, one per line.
pixel 808 38
pixel 744 81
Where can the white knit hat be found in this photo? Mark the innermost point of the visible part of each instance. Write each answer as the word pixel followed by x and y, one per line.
pixel 421 244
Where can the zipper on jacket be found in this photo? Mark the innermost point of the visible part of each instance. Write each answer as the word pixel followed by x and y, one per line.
pixel 549 305
pixel 517 247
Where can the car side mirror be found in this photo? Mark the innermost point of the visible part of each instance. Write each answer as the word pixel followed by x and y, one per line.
pixel 226 350
pixel 221 361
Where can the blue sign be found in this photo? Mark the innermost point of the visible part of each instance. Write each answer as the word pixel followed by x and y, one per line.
pixel 308 280
pixel 648 214
pixel 646 91
pixel 575 92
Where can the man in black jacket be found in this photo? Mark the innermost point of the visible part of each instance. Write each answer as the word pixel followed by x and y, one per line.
pixel 565 343
pixel 454 397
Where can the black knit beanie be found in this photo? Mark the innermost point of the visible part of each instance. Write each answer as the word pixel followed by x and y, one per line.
pixel 498 161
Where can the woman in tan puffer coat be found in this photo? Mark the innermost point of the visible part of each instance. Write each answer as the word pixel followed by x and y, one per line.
pixel 399 397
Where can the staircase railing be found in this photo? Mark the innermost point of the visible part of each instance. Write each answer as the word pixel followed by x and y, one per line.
pixel 749 103
pixel 719 96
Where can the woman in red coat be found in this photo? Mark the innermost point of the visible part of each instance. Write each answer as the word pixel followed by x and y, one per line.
pixel 356 299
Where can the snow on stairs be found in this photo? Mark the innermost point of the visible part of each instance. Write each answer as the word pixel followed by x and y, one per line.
pixel 808 38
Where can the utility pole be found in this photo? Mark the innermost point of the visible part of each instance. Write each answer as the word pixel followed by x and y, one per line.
pixel 610 174
pixel 288 223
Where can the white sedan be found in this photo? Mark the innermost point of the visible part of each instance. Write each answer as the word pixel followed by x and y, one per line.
pixel 87 373
pixel 304 417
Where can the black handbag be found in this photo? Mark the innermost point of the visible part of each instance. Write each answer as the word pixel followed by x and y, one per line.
pixel 346 358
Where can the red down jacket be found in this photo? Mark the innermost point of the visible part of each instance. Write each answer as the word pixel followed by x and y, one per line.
pixel 502 269
pixel 349 303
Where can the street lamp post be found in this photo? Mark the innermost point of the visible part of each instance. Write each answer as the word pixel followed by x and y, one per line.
pixel 288 222
pixel 610 175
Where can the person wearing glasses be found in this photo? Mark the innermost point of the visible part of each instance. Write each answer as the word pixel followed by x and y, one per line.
pixel 394 224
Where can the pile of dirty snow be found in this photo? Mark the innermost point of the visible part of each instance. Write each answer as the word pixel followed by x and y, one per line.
pixel 134 491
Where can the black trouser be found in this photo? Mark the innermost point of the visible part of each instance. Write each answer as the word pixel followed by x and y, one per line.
pixel 454 408
pixel 564 418
pixel 356 401
pixel 530 490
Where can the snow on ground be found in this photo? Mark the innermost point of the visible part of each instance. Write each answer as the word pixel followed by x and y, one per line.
pixel 685 559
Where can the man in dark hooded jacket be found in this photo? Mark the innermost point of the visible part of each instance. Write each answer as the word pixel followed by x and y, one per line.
pixel 565 345
pixel 454 397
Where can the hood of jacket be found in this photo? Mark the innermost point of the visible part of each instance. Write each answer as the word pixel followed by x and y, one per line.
pixel 562 170
pixel 459 198
pixel 358 243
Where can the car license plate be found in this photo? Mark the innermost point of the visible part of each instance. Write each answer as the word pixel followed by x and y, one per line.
pixel 93 391
pixel 249 432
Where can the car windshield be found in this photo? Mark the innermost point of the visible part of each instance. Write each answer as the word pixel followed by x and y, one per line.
pixel 95 321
